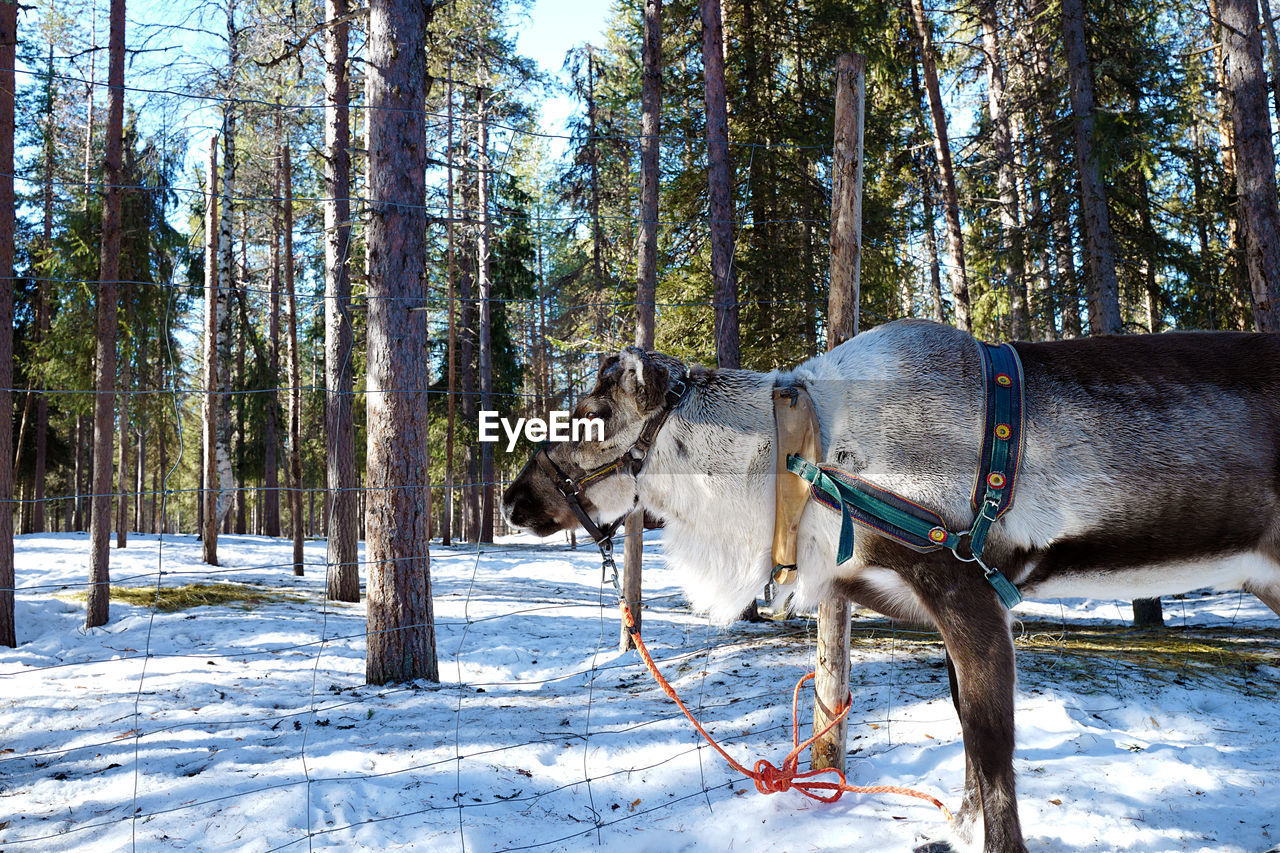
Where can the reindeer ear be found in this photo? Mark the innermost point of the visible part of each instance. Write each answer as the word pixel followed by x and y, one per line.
pixel 642 378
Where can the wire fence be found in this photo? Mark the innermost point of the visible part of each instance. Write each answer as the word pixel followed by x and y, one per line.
pixel 246 723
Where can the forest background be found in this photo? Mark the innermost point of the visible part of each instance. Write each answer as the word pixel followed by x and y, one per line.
pixel 1034 169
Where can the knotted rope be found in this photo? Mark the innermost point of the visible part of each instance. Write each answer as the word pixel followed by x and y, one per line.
pixel 768 778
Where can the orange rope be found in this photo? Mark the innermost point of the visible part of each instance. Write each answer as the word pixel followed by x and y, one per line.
pixel 770 779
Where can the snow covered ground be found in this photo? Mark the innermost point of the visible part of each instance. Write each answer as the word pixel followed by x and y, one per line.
pixel 248 727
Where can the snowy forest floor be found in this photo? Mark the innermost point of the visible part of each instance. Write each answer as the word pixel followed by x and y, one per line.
pixel 245 725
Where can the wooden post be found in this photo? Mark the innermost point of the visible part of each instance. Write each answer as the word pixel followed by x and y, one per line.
pixel 831 684
pixel 646 274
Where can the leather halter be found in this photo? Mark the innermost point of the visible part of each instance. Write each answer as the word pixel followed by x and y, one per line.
pixel 633 460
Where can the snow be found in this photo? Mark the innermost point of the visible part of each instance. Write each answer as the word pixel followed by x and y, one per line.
pixel 249 728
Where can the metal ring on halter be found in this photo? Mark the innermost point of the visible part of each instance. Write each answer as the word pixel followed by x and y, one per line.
pixel 955 553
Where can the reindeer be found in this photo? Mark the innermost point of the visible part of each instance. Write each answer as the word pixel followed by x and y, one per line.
pixel 1151 466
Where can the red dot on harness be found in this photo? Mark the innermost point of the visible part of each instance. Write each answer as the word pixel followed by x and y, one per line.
pixel 995 480
pixel 1003 431
pixel 937 534
pixel 1003 379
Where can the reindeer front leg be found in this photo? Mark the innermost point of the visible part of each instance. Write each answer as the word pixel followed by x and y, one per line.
pixel 971 806
pixel 975 629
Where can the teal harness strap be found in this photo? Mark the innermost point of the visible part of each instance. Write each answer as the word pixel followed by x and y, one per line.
pixel 922 529
pixel 1002 440
pixel 857 500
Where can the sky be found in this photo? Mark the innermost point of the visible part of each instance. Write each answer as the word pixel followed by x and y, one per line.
pixel 546 33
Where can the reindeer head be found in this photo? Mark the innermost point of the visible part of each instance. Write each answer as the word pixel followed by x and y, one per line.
pixel 630 391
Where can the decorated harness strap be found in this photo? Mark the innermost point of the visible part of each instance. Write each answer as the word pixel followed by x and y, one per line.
pixel 1002 439
pixel 922 529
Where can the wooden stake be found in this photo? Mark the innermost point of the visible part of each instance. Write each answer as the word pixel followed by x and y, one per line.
pixel 646 276
pixel 831 685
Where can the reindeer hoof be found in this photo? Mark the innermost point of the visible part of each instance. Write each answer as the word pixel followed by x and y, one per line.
pixel 935 847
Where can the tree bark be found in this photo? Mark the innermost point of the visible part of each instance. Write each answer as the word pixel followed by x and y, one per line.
pixel 1269 27
pixel 241 334
pixel 646 276
pixel 123 469
pixel 401 629
pixel 212 405
pixel 1255 158
pixel 42 306
pixel 946 171
pixel 1011 242
pixel 343 577
pixel 486 317
pixel 271 441
pixel 295 367
pixel 225 479
pixel 98 604
pixel 451 403
pixel 1226 152
pixel 1104 290
pixel 8 235
pixel 720 186
pixel 597 232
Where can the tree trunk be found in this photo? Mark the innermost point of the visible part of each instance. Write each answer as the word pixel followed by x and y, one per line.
pixel 242 332
pixel 1150 261
pixel 597 232
pixel 91 97
pixel 401 629
pixel 123 477
pixel 343 578
pixel 295 367
pixel 208 523
pixel 646 277
pixel 226 279
pixel 1269 27
pixel 1104 290
pixel 486 319
pixel 225 479
pixel 946 171
pixel 451 403
pixel 1011 248
pixel 1255 159
pixel 1147 613
pixel 8 235
pixel 271 441
pixel 140 481
pixel 720 186
pixel 42 304
pixel 928 190
pixel 1226 149
pixel 1208 277
pixel 98 604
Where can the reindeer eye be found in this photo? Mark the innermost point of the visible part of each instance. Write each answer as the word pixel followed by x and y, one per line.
pixel 601 412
